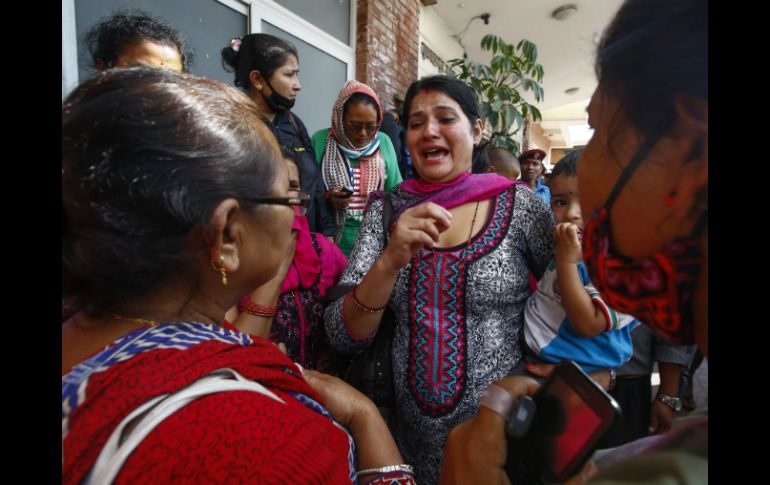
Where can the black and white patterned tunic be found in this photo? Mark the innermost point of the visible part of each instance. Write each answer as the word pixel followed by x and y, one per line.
pixel 460 317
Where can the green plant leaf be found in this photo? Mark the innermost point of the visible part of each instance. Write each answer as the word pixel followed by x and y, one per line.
pixel 495 64
pixel 485 43
pixel 491 93
pixel 510 114
pixel 500 84
pixel 536 116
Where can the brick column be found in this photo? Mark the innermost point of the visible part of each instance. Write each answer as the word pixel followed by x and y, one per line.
pixel 387 46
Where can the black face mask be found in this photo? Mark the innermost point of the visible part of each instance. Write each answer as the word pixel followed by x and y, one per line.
pixel 275 101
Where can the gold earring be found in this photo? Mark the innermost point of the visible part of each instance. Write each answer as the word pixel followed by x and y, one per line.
pixel 221 270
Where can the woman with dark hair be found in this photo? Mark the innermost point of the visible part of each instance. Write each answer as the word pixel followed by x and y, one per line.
pixel 455 272
pixel 643 178
pixel 132 37
pixel 289 308
pixel 354 153
pixel 175 203
pixel 267 69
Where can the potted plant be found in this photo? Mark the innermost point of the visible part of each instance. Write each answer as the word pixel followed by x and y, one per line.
pixel 499 86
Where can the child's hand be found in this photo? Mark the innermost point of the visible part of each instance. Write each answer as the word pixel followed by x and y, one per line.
pixel 568 248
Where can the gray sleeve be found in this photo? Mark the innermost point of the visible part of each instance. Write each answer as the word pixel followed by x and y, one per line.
pixel 649 348
pixel 367 248
pixel 668 353
pixel 538 226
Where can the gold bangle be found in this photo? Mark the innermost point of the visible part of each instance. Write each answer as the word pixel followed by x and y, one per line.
pixel 363 307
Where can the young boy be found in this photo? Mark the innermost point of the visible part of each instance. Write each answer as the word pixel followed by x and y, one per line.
pixel 566 319
pixel 503 162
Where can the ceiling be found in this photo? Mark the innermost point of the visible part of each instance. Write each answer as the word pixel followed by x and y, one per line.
pixel 565 48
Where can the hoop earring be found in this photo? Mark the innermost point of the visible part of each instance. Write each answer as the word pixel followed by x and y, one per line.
pixel 221 270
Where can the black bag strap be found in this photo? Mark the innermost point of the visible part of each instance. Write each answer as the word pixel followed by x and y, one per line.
pixel 387 214
pixel 371 371
pixel 294 124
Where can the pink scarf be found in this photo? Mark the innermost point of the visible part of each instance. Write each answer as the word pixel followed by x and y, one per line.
pixel 466 187
pixel 306 265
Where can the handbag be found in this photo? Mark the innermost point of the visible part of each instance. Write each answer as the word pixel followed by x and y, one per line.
pixel 371 371
pixel 143 420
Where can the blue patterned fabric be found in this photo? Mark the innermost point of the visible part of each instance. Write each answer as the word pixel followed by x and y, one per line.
pixel 178 336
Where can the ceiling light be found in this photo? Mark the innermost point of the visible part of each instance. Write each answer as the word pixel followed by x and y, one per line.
pixel 564 12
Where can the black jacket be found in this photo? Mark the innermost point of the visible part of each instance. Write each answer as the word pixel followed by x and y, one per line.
pixel 297 140
pixel 396 133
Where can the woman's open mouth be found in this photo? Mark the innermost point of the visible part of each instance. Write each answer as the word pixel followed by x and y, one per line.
pixel 435 155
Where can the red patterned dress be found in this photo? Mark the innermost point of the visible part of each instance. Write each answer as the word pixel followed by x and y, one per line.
pixel 281 435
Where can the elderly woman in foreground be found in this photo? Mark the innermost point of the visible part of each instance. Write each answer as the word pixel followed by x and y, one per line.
pixel 175 204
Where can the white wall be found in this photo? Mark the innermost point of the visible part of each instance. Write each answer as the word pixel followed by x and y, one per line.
pixel 437 36
pixel 69 48
pixel 538 139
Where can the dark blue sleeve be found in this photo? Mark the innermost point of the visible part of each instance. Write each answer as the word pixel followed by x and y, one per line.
pixel 323 223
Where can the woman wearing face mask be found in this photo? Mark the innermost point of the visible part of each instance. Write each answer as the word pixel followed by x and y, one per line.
pixel 353 153
pixel 644 179
pixel 267 69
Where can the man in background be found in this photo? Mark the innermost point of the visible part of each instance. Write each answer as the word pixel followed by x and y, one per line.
pixel 532 171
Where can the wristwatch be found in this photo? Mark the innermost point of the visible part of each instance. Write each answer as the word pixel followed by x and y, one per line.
pixel 517 411
pixel 674 403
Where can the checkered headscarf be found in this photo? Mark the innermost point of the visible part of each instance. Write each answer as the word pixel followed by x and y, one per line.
pixel 339 149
